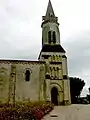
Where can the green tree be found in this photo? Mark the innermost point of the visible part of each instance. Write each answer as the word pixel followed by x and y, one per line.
pixel 76 86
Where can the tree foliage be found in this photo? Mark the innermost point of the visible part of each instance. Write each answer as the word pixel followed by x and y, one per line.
pixel 76 86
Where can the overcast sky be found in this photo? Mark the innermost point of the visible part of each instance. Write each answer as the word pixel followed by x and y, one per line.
pixel 20 32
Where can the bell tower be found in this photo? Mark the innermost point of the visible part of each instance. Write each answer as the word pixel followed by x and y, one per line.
pixel 50 33
pixel 56 72
pixel 50 27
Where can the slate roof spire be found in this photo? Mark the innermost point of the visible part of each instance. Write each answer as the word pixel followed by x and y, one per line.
pixel 50 16
pixel 50 10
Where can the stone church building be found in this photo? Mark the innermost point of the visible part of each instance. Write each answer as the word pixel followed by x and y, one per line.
pixel 43 80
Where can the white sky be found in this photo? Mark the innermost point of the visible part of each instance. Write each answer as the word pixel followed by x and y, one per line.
pixel 20 30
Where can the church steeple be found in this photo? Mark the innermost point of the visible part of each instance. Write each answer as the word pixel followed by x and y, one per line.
pixel 50 27
pixel 50 15
pixel 53 55
pixel 50 10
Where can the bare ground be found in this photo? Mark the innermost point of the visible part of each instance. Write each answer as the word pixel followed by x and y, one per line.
pixel 72 112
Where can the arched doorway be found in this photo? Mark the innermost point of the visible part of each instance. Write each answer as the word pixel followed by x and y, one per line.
pixel 54 95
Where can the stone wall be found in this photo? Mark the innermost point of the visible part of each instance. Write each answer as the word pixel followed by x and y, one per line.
pixel 58 76
pixel 13 84
pixel 5 70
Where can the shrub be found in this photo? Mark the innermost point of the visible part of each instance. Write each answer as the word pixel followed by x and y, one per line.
pixel 21 111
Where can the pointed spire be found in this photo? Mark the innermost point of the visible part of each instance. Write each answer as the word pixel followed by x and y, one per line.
pixel 50 11
pixel 50 16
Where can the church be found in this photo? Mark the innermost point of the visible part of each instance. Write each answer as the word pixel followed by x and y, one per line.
pixel 43 80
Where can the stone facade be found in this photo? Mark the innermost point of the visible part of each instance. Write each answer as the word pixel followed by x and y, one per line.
pixel 42 80
pixel 57 76
pixel 13 84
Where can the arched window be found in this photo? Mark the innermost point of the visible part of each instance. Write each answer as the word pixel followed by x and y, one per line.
pixel 49 36
pixel 54 37
pixel 27 75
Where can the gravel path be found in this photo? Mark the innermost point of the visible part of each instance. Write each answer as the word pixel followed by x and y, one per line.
pixel 72 112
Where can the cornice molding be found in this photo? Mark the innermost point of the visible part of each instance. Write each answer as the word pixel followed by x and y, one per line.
pixel 21 62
